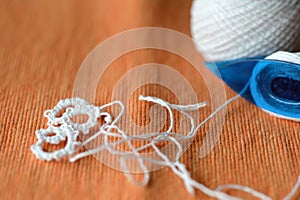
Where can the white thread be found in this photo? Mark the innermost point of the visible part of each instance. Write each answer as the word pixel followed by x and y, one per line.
pixel 245 189
pixel 69 130
pixel 294 190
pixel 231 29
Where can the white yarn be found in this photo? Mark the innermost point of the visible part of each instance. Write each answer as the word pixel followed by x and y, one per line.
pixel 230 29
pixel 69 130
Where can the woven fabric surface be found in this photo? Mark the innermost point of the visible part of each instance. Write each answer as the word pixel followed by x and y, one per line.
pixel 43 43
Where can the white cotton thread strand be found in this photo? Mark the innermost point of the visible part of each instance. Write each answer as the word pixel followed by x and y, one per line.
pixel 123 163
pixel 189 182
pixel 220 108
pixel 245 189
pixel 212 193
pixel 129 175
pixel 110 129
pixel 163 104
pixel 180 108
pixel 293 191
pixel 242 188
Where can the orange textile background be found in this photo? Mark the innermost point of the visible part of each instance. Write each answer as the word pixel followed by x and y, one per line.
pixel 43 43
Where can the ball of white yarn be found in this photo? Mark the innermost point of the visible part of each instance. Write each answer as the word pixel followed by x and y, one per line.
pixel 230 29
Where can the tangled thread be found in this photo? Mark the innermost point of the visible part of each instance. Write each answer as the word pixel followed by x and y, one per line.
pixel 62 128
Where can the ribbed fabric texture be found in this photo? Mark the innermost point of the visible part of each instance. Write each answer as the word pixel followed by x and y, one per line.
pixel 42 44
